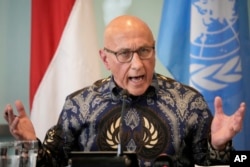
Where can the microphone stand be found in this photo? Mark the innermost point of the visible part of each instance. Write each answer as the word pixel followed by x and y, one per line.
pixel 120 145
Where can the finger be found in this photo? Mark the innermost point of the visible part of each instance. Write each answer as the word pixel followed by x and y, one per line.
pixel 239 115
pixel 237 124
pixel 238 118
pixel 14 124
pixel 241 110
pixel 20 108
pixel 8 114
pixel 218 105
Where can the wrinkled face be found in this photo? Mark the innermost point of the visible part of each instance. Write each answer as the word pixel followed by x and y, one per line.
pixel 134 76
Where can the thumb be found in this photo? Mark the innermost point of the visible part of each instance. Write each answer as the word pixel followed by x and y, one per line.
pixel 218 105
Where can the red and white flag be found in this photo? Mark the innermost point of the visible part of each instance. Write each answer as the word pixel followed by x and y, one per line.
pixel 64 56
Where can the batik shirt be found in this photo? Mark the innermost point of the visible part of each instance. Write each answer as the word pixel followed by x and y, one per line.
pixel 169 118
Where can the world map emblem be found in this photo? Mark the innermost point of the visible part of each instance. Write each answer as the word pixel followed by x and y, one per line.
pixel 215 49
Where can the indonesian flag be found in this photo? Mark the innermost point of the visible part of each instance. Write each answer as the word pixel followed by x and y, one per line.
pixel 64 56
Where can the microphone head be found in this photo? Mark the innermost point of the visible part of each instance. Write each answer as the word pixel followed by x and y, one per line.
pixel 124 93
pixel 163 160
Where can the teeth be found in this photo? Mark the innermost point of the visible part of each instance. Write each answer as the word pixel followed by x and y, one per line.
pixel 137 78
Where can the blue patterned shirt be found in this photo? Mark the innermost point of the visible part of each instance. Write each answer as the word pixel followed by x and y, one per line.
pixel 169 118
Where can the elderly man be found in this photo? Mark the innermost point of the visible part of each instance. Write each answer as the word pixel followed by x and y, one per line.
pixel 160 115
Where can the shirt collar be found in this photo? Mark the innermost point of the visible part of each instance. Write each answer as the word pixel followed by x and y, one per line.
pixel 116 91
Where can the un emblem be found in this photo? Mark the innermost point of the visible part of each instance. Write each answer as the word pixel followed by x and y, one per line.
pixel 215 48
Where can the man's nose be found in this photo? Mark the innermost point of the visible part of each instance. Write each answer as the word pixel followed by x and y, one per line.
pixel 136 61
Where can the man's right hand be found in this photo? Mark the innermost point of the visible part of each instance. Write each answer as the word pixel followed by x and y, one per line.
pixel 20 125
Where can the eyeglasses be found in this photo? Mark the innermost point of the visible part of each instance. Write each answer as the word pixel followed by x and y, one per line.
pixel 126 55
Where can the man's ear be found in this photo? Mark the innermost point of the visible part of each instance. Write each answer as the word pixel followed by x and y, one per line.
pixel 103 57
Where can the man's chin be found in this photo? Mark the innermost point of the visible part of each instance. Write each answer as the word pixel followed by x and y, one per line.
pixel 136 92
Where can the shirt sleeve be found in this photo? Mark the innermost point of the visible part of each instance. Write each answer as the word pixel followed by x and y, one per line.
pixel 60 140
pixel 219 157
pixel 53 151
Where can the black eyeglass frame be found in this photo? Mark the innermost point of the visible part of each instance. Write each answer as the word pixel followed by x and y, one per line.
pixel 131 52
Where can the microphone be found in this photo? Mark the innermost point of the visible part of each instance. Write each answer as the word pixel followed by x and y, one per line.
pixel 124 94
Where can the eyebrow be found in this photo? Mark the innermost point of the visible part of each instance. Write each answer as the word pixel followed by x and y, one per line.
pixel 143 46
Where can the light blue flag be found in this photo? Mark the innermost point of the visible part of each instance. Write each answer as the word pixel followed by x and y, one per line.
pixel 206 45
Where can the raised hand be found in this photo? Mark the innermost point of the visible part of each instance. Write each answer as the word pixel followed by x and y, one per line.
pixel 20 125
pixel 225 127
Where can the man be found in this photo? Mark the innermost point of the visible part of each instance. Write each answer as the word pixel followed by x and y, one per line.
pixel 161 116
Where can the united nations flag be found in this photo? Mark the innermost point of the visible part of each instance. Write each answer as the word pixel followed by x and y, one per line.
pixel 206 44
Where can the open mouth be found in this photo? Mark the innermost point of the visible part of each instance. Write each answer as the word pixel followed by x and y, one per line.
pixel 137 78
